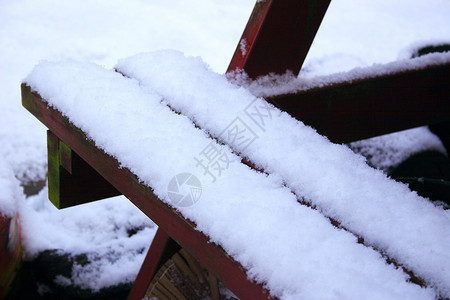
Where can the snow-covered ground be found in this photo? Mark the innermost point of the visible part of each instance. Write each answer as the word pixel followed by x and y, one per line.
pixel 353 34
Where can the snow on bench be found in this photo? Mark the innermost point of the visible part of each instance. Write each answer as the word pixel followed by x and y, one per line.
pixel 290 248
pixel 338 182
pixel 269 86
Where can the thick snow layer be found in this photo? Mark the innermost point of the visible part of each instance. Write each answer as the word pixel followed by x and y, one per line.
pixel 272 85
pixel 386 213
pixel 10 195
pixel 294 250
pixel 99 31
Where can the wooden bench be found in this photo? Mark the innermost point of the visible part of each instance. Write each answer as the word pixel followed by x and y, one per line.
pixel 279 34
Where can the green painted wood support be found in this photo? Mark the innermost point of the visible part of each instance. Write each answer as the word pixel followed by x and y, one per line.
pixel 71 181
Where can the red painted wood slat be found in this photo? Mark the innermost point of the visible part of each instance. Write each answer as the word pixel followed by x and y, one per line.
pixel 362 109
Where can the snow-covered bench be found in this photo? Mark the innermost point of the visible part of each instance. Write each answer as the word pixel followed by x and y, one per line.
pixel 273 208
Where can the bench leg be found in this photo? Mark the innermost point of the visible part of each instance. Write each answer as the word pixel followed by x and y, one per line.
pixel 161 249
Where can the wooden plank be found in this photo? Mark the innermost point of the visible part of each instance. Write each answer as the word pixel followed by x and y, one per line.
pixel 278 36
pixel 71 181
pixel 211 256
pixel 366 108
pixel 161 249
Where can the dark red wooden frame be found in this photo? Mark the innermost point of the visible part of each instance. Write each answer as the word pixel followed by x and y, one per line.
pixel 365 108
pixel 276 39
pixel 278 36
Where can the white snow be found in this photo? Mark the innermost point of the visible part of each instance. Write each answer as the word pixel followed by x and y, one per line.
pixel 249 214
pixel 100 230
pixel 272 85
pixel 103 31
pixel 386 152
pixel 376 31
pixel 243 46
pixel 11 195
pixel 386 213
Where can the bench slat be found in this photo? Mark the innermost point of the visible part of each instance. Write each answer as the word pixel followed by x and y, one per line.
pixel 352 111
pixel 330 176
pixel 181 230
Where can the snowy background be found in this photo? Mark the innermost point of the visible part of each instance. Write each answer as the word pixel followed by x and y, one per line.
pixel 113 233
